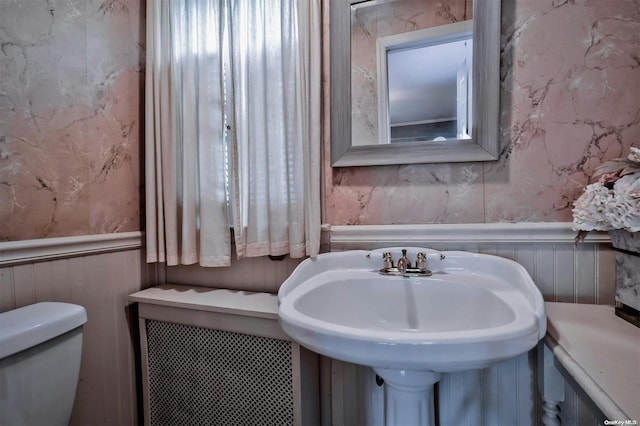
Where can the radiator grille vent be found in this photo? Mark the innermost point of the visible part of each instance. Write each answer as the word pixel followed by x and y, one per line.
pixel 200 376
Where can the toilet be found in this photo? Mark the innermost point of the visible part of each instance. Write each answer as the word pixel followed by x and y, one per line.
pixel 40 352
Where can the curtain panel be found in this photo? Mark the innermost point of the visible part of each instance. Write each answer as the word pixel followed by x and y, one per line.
pixel 232 118
pixel 276 95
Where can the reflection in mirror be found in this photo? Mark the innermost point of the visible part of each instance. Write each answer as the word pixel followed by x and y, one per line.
pixel 375 120
pixel 399 28
pixel 424 89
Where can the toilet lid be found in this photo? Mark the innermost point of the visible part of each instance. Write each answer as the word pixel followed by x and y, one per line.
pixel 31 325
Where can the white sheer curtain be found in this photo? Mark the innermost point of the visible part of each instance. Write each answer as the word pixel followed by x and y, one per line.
pixel 186 197
pixel 274 92
pixel 276 82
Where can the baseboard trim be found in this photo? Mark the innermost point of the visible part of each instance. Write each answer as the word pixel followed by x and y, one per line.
pixel 44 249
pixel 472 233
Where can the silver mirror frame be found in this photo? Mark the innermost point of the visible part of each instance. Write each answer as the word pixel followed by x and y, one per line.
pixel 484 143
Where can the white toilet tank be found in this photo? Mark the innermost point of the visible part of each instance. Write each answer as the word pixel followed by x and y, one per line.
pixel 40 351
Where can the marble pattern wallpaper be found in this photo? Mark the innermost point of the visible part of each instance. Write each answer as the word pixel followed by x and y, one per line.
pixel 72 81
pixel 71 111
pixel 570 79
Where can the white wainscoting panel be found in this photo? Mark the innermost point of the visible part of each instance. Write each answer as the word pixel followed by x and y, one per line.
pixel 258 274
pixel 100 279
pixel 101 282
pixel 563 271
pixel 506 393
pixel 574 411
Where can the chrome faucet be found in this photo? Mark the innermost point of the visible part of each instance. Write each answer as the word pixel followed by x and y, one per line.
pixel 403 267
pixel 403 263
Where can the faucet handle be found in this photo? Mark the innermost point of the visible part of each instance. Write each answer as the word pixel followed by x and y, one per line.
pixel 388 260
pixel 421 261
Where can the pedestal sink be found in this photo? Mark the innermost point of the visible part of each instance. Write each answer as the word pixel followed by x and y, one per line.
pixel 473 310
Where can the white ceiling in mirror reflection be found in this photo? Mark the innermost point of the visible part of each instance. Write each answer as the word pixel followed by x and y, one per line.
pixel 423 81
pixel 397 24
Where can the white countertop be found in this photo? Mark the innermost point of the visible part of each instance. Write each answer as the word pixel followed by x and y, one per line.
pixel 601 352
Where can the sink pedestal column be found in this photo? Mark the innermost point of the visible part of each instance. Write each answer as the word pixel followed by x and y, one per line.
pixel 408 396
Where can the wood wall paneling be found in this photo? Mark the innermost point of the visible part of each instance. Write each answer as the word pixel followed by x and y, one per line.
pixel 259 274
pixel 505 393
pixel 502 394
pixel 107 392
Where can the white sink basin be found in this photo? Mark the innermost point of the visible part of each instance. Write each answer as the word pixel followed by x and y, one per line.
pixel 385 306
pixel 474 310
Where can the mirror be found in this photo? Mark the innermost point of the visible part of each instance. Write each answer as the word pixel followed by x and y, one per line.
pixel 422 110
pixel 418 101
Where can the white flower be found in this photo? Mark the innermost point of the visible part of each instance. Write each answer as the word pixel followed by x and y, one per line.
pixel 590 212
pixel 602 209
pixel 624 210
pixel 634 155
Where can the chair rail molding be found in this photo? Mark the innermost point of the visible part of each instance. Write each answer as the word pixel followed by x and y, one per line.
pixel 45 249
pixel 474 233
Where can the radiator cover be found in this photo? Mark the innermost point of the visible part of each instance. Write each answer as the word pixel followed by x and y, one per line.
pixel 201 376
